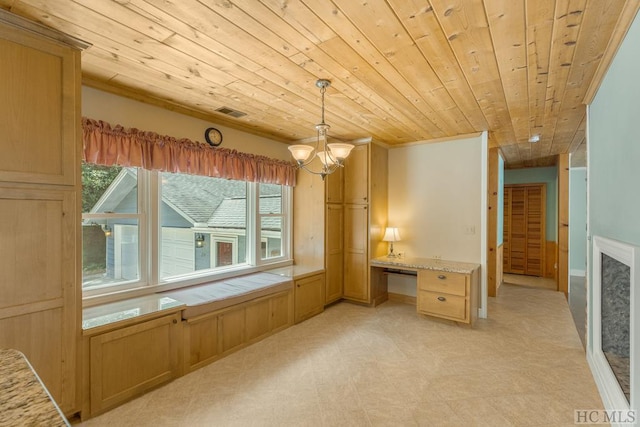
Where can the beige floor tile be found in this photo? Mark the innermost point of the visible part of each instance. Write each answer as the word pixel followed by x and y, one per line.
pixel 361 366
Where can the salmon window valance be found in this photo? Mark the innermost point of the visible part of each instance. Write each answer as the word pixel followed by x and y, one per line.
pixel 108 145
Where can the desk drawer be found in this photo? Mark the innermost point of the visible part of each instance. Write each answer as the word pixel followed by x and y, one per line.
pixel 444 305
pixel 442 282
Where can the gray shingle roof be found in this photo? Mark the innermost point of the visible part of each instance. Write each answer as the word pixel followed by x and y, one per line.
pixel 203 197
pixel 232 213
pixel 220 203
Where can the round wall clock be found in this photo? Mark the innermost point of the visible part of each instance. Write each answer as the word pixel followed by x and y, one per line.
pixel 213 137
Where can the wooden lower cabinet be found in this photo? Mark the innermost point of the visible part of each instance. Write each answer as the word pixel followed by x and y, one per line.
pixel 334 252
pixel 127 361
pixel 451 296
pixel 214 335
pixel 356 256
pixel 309 297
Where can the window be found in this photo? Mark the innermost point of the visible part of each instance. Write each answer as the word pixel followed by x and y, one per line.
pixel 148 228
pixel 270 212
pixel 111 229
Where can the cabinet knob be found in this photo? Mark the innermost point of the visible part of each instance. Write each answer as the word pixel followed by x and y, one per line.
pixel 175 321
pixel 442 299
pixel 442 277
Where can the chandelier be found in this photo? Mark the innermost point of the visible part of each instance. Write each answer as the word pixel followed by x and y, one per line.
pixel 331 156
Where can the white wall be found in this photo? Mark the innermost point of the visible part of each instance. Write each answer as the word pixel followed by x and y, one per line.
pixel 435 199
pixel 117 110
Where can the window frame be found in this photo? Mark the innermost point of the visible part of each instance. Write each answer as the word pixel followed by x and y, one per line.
pixel 149 251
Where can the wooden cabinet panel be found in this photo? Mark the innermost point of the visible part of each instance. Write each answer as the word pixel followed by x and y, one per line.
pixel 38 278
pixel 39 81
pixel 442 305
pixel 232 329
pixel 334 187
pixel 203 340
pixel 309 297
pixel 43 345
pixel 128 361
pixel 258 319
pixel 440 281
pixel 356 175
pixel 356 257
pixel 452 296
pixel 39 185
pixel 334 252
pixel 281 311
pixel 216 334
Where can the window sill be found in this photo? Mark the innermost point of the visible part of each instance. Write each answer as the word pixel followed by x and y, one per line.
pixel 125 294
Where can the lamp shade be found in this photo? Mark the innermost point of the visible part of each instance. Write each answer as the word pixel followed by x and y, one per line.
pixel 325 158
pixel 391 234
pixel 340 151
pixel 300 152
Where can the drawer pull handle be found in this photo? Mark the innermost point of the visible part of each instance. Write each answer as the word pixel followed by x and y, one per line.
pixel 175 322
pixel 442 277
pixel 442 299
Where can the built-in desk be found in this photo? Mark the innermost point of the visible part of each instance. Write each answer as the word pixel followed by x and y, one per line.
pixel 444 289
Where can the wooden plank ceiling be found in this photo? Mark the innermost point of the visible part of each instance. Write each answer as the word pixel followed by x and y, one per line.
pixel 401 70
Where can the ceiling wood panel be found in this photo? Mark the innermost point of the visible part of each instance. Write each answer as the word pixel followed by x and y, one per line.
pixel 402 71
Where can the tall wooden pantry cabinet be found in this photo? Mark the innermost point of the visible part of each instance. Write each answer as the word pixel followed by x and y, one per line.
pixel 40 278
pixel 356 215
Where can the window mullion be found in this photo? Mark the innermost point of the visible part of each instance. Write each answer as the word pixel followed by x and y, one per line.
pixel 253 226
pixel 152 207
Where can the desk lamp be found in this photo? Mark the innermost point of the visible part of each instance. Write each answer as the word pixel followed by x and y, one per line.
pixel 391 234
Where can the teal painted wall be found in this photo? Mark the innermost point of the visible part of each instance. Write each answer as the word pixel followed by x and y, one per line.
pixel 548 176
pixel 578 220
pixel 614 149
pixel 500 199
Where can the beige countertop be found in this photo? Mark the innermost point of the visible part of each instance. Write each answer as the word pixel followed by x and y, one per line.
pixel 296 271
pixel 425 264
pixel 24 400
pixel 93 318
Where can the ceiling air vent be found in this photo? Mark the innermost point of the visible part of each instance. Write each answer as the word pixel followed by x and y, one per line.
pixel 229 112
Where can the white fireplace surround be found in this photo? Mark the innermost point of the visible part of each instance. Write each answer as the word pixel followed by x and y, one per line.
pixel 612 396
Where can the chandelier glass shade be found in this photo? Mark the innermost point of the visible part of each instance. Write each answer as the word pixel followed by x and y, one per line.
pixel 330 155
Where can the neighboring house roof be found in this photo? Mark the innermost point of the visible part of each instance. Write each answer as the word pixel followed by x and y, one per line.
pixel 118 190
pixel 222 205
pixel 232 213
pixel 201 201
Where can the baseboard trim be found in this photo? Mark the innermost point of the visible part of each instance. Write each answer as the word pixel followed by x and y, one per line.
pixel 405 299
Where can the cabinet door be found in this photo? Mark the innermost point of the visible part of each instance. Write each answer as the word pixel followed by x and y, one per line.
pixel 38 285
pixel 281 311
pixel 309 297
pixel 203 341
pixel 356 174
pixel 334 187
pixel 258 316
pixel 232 329
pixel 356 284
pixel 128 361
pixel 40 86
pixel 334 252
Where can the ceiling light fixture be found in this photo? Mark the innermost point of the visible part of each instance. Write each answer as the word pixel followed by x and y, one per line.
pixel 534 139
pixel 331 156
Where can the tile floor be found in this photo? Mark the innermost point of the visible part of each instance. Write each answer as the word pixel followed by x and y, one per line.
pixel 359 366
